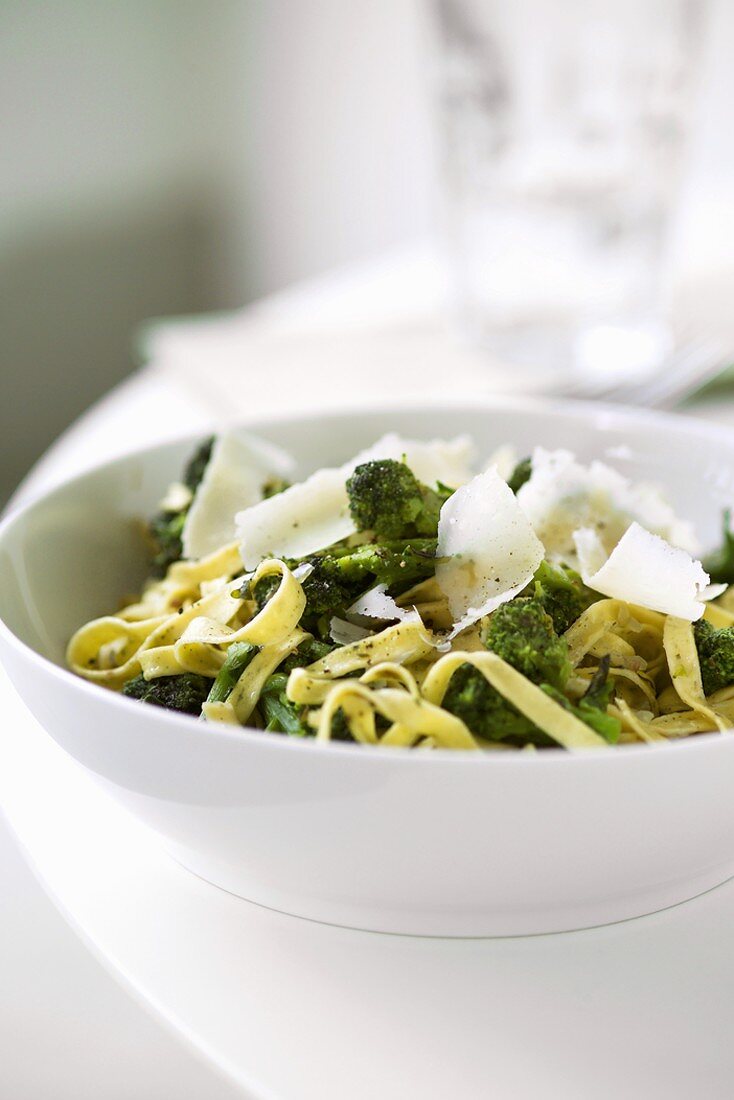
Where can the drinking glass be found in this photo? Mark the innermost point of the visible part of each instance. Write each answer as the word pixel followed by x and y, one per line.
pixel 564 126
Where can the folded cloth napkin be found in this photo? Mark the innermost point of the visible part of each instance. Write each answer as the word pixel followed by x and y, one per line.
pixel 373 334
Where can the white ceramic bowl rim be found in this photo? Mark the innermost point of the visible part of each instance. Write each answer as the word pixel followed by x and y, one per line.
pixel 551 757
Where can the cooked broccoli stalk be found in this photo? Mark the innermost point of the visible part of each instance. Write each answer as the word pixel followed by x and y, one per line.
pixel 592 706
pixel 341 574
pixel 185 692
pixel 522 633
pixel 715 655
pixel 562 593
pixel 166 526
pixel 278 712
pixel 386 497
pixel 720 564
pixel 397 564
pixel 520 474
pixel 473 699
pixel 239 655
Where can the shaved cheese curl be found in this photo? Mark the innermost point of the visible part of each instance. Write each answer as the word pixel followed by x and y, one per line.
pixel 646 570
pixel 491 549
pixel 315 513
pixel 562 496
pixel 237 472
pixel 449 461
pixel 377 604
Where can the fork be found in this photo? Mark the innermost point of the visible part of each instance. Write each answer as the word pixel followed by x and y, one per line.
pixel 687 370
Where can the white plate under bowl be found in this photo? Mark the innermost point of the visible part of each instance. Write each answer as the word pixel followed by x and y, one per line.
pixel 389 840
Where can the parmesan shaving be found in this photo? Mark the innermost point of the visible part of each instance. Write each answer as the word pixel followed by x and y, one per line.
pixel 504 459
pixel 237 472
pixel 344 633
pixel 315 513
pixel 644 569
pixel 491 549
pixel 377 604
pixel 307 517
pixel 448 461
pixel 562 496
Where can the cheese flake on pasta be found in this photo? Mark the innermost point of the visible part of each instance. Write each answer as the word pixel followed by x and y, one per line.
pixel 315 513
pixel 378 604
pixel 449 461
pixel 239 468
pixel 490 545
pixel 562 496
pixel 646 570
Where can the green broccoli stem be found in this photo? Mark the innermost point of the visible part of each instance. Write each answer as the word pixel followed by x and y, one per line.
pixel 562 593
pixel 279 714
pixel 238 658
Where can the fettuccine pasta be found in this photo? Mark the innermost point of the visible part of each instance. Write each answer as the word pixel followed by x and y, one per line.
pixel 424 608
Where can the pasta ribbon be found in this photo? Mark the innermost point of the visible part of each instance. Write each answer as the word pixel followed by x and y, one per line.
pixel 558 723
pixel 685 670
pixel 401 644
pixel 613 619
pixel 415 717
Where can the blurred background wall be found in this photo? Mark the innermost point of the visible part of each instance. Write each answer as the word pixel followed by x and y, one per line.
pixel 171 156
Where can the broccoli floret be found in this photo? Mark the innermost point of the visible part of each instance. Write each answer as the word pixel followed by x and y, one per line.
pixel 715 655
pixel 307 653
pixel 473 699
pixel 562 593
pixel 265 588
pixel 520 474
pixel 396 563
pixel 274 486
pixel 720 564
pixel 185 692
pixel 165 533
pixel 592 706
pixel 522 633
pixel 166 526
pixel 197 464
pixel 341 574
pixel 279 713
pixel 327 589
pixel 239 655
pixel 386 497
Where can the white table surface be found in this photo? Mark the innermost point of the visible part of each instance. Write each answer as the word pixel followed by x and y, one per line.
pixel 288 1009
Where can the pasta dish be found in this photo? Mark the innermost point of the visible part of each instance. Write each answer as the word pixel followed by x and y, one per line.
pixel 405 599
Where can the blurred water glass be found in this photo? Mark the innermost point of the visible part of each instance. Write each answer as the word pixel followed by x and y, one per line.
pixel 564 127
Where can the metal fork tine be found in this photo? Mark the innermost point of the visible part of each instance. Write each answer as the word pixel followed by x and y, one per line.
pixel 693 363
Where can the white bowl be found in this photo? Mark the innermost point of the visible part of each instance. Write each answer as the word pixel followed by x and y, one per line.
pixel 389 840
